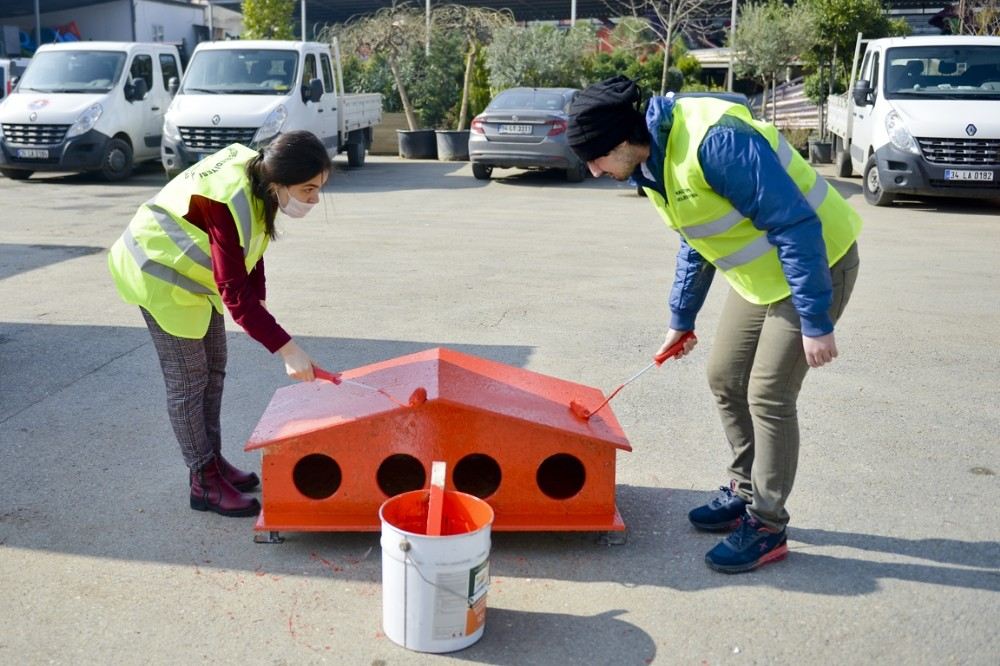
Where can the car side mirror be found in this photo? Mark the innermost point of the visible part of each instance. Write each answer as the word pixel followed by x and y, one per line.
pixel 173 84
pixel 313 92
pixel 136 91
pixel 862 92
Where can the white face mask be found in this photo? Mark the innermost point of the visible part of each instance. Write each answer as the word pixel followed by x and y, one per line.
pixel 294 207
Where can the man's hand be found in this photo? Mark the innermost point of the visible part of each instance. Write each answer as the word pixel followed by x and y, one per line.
pixel 819 351
pixel 298 365
pixel 672 337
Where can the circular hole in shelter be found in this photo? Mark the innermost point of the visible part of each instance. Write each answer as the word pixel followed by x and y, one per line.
pixel 317 476
pixel 400 473
pixel 561 476
pixel 477 474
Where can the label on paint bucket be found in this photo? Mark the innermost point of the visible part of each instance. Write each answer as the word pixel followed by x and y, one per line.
pixel 455 614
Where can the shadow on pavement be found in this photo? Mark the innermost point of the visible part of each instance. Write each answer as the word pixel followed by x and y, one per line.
pixel 19 258
pixel 528 637
pixel 144 175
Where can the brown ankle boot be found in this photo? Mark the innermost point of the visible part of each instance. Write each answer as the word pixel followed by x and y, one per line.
pixel 242 481
pixel 210 491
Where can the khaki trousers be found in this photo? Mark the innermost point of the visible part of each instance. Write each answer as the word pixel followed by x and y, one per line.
pixel 755 371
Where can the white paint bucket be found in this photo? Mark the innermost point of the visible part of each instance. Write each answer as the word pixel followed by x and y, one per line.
pixel 434 587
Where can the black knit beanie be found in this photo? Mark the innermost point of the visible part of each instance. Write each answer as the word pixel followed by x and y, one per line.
pixel 602 116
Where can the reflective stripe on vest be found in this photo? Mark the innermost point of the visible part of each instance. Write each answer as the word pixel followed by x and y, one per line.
pixel 157 270
pixel 188 247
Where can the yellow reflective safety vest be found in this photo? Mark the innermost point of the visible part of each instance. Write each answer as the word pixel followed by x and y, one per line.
pixel 720 233
pixel 163 263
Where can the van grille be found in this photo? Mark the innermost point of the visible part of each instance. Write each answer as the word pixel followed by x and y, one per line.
pixel 34 135
pixel 961 151
pixel 216 138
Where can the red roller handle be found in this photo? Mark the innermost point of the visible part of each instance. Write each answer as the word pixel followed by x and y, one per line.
pixel 674 349
pixel 320 373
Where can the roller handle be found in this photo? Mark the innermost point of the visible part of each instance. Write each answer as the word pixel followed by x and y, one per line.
pixel 320 373
pixel 674 349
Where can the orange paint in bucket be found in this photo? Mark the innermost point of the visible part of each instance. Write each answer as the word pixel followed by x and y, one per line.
pixel 434 587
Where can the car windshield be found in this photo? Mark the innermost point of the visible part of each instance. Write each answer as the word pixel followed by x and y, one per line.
pixel 943 72
pixel 73 71
pixel 241 71
pixel 528 99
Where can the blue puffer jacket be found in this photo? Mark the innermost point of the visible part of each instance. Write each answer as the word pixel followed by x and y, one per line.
pixel 740 165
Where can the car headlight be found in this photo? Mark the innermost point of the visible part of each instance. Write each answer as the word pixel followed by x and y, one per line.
pixel 170 131
pixel 86 121
pixel 899 135
pixel 272 125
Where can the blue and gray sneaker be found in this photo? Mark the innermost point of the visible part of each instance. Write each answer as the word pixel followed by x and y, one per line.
pixel 751 545
pixel 720 514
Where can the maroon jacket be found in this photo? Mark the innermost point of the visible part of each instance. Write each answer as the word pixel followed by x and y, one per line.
pixel 242 293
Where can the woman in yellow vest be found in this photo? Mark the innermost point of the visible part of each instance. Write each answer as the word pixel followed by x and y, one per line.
pixel 747 205
pixel 194 247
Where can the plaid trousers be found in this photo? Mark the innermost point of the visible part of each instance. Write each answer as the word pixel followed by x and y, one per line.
pixel 194 371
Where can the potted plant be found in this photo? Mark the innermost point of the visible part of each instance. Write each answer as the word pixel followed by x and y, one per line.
pixel 474 26
pixel 394 33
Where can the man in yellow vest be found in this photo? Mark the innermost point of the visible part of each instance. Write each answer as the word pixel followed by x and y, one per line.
pixel 747 205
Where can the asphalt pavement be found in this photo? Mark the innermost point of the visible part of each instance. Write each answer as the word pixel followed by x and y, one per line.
pixel 895 545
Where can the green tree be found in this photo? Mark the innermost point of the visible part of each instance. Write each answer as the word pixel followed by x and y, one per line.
pixel 391 35
pixel 539 56
pixel 673 18
pixel 476 26
pixel 768 37
pixel 434 81
pixel 268 19
pixel 836 24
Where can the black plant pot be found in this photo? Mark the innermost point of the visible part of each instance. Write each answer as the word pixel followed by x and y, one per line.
pixel 820 152
pixel 417 144
pixel 453 145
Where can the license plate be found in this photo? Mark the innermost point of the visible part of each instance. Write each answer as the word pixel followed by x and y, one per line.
pixel 966 174
pixel 515 129
pixel 33 153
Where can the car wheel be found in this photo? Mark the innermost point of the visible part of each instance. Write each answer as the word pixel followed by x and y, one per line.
pixel 874 194
pixel 117 161
pixel 844 168
pixel 16 174
pixel 356 154
pixel 577 173
pixel 481 171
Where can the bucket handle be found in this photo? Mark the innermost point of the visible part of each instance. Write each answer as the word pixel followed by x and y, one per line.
pixel 405 546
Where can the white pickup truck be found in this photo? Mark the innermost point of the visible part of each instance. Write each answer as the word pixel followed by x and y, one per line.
pixel 249 91
pixel 923 118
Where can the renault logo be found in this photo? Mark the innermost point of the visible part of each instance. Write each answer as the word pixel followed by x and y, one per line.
pixel 33 117
pixel 216 119
pixel 970 129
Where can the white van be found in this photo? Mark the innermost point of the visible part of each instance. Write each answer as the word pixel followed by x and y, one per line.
pixel 87 106
pixel 923 118
pixel 248 91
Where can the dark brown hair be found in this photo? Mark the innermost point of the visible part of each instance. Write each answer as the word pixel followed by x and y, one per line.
pixel 290 159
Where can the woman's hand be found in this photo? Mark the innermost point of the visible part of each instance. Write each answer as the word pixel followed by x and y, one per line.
pixel 673 336
pixel 298 365
pixel 819 351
